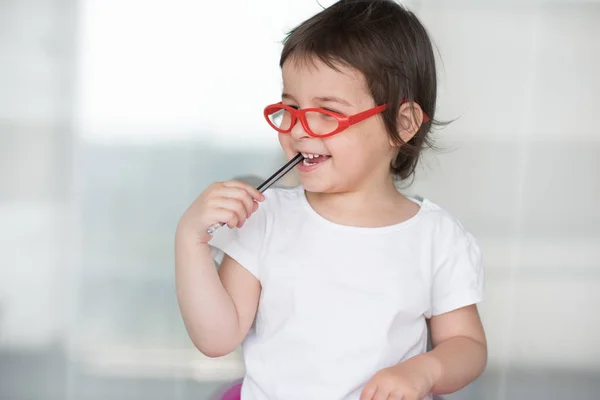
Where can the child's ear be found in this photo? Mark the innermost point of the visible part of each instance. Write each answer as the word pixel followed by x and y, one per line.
pixel 410 119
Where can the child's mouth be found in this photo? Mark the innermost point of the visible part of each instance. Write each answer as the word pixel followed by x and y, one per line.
pixel 313 159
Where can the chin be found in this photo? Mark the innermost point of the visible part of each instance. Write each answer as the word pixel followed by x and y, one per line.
pixel 320 186
pixel 311 185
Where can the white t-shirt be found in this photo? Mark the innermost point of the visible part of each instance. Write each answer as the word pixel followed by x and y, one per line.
pixel 339 303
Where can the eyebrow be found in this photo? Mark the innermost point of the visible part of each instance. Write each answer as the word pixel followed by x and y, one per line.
pixel 332 99
pixel 324 99
pixel 287 96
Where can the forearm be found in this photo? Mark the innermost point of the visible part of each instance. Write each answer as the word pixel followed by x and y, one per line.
pixel 207 309
pixel 455 363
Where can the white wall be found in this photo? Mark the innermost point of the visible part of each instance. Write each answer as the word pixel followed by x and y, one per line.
pixel 523 169
pixel 36 85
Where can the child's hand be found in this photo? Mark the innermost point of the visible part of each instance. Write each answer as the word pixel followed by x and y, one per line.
pixel 410 380
pixel 230 202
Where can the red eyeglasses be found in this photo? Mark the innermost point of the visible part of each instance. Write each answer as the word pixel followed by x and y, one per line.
pixel 317 122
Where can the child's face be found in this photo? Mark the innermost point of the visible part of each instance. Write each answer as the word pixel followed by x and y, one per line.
pixel 360 156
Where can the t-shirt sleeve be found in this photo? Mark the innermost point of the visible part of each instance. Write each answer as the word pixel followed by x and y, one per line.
pixel 458 274
pixel 245 244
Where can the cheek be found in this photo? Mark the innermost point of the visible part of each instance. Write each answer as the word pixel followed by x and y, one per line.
pixel 340 145
pixel 348 153
pixel 285 141
pixel 377 135
pixel 376 143
pixel 367 143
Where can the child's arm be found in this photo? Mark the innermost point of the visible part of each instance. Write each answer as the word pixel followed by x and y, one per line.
pixel 458 357
pixel 459 352
pixel 217 306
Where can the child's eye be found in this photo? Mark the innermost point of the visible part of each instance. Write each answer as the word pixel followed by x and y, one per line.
pixel 333 111
pixel 326 116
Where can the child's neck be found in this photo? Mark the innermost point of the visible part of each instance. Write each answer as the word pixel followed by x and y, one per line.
pixel 370 207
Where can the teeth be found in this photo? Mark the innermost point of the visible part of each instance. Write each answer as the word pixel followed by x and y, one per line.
pixel 308 155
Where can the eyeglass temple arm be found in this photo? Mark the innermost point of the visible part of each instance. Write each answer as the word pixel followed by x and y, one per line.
pixel 356 118
pixel 369 113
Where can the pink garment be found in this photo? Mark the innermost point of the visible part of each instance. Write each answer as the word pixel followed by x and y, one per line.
pixel 233 393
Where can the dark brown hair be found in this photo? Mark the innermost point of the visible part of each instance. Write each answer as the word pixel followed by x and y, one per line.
pixel 390 47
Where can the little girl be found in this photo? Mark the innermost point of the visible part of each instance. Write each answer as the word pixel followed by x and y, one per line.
pixel 333 286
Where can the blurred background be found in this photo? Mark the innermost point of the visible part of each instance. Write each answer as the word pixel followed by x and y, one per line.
pixel 116 114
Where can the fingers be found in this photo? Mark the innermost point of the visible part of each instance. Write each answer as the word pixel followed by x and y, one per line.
pixel 241 204
pixel 239 212
pixel 381 393
pixel 368 392
pixel 240 199
pixel 229 203
pixel 248 195
pixel 228 217
pixel 252 191
pixel 374 393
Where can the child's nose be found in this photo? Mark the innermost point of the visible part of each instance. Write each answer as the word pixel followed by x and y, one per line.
pixel 298 131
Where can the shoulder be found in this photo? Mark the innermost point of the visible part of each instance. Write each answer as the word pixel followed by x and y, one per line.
pixel 457 272
pixel 444 228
